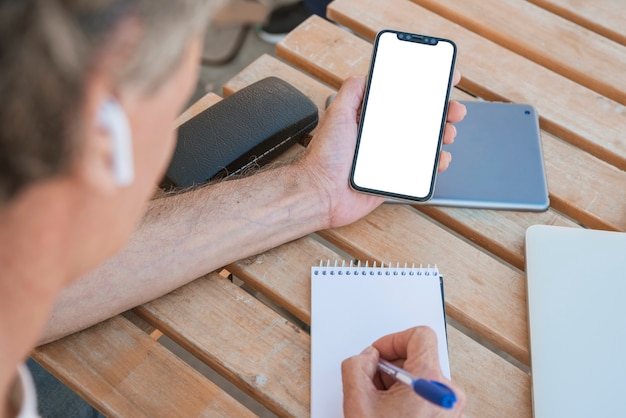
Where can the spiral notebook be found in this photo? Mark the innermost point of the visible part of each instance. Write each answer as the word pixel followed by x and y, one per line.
pixel 353 306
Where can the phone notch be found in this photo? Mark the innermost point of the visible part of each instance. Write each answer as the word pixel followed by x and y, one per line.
pixel 421 39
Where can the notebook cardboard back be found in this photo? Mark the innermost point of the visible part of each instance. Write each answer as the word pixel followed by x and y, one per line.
pixel 577 318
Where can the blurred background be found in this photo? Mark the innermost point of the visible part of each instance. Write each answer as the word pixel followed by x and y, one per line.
pixel 243 31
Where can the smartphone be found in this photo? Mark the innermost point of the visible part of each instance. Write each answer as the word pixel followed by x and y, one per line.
pixel 403 116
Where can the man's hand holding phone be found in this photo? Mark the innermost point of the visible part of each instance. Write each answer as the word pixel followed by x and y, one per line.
pixel 326 157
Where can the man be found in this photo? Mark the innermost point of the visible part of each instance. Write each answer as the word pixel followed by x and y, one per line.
pixel 91 90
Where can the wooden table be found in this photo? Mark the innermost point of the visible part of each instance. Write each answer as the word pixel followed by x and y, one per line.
pixel 565 57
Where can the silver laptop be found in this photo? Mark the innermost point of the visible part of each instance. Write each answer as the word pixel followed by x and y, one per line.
pixel 577 317
pixel 497 162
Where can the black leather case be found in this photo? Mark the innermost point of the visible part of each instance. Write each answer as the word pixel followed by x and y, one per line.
pixel 250 127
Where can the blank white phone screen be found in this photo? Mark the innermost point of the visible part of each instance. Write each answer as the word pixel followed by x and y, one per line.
pixel 403 116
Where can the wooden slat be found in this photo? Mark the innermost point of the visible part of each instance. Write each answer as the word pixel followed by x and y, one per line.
pixel 556 43
pixel 201 104
pixel 499 232
pixel 136 320
pixel 242 339
pixel 566 109
pixel 605 17
pixel 266 273
pixel 585 188
pixel 123 372
pixel 473 368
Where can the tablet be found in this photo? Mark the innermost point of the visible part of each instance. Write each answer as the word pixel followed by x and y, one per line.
pixel 497 162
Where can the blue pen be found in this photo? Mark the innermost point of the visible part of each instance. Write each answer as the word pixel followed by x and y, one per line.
pixel 431 390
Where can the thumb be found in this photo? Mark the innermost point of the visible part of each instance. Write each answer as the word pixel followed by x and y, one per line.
pixel 350 94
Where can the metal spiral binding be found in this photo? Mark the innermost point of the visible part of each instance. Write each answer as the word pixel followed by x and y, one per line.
pixel 386 269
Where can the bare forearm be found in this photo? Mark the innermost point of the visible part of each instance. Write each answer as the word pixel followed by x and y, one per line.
pixel 185 236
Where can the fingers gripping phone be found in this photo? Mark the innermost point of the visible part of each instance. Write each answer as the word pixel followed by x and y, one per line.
pixel 403 116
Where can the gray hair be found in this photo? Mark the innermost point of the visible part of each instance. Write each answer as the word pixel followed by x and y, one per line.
pixel 48 48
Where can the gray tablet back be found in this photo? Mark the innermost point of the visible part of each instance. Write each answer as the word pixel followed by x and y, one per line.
pixel 497 162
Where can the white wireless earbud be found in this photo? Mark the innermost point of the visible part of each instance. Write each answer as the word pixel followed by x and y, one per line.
pixel 112 118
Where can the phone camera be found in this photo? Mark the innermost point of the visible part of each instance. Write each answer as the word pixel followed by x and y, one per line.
pixel 400 36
